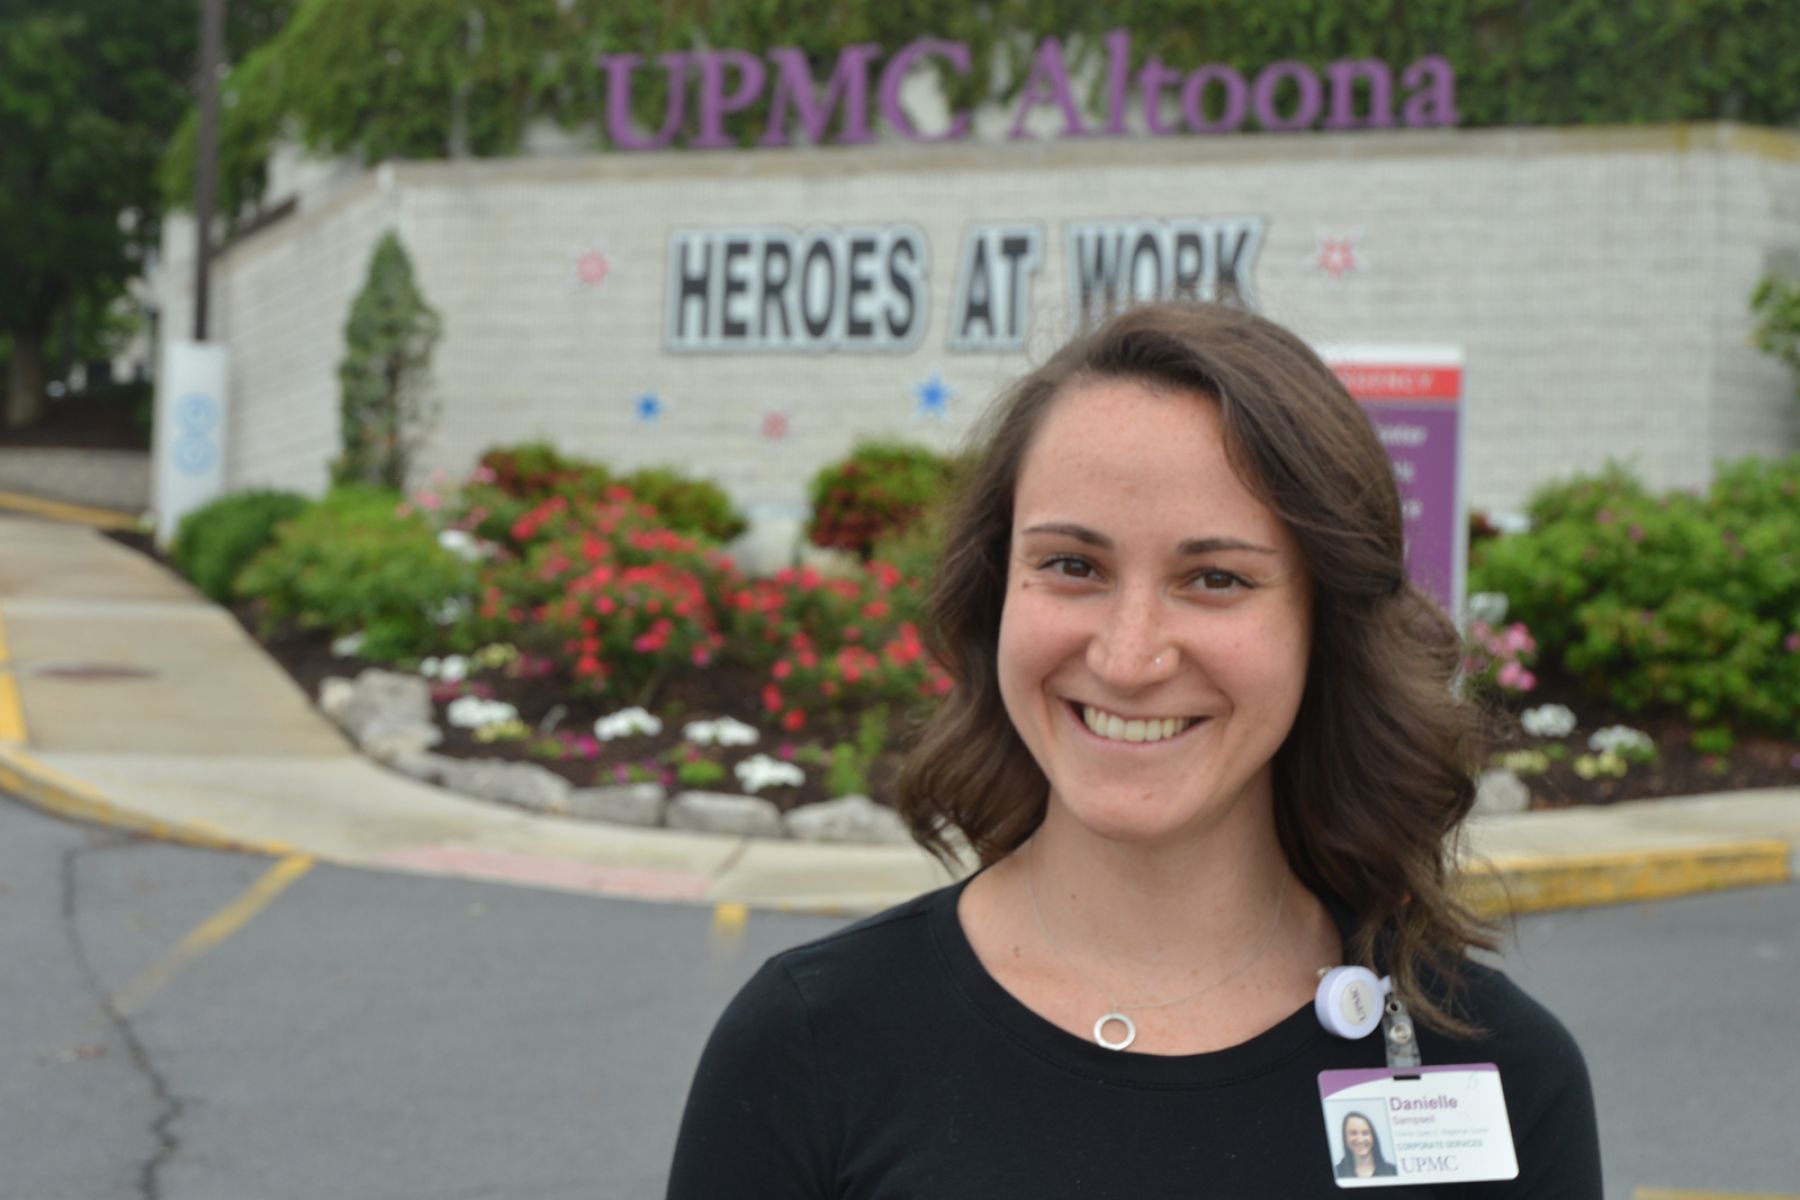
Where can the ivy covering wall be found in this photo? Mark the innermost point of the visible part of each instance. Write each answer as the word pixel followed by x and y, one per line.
pixel 441 78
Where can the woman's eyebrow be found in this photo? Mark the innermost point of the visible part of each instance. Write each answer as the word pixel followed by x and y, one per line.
pixel 1209 545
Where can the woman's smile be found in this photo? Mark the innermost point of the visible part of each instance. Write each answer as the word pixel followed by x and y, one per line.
pixel 1111 727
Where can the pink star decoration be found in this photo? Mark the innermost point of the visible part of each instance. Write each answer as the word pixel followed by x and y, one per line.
pixel 1337 256
pixel 592 268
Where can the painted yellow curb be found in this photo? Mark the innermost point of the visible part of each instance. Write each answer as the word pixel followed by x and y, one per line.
pixel 12 709
pixel 57 510
pixel 1525 885
pixel 48 789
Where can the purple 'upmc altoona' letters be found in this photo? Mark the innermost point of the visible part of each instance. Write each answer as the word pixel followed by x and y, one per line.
pixel 1284 97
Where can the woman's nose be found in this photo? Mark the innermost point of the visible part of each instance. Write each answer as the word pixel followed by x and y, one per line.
pixel 1132 649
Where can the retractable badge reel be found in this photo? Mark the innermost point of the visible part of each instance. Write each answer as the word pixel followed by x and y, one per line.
pixel 1351 1001
pixel 1409 1123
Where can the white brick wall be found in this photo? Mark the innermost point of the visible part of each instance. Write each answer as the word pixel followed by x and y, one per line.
pixel 1597 279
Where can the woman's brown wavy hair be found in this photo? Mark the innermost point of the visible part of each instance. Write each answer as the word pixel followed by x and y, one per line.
pixel 1373 782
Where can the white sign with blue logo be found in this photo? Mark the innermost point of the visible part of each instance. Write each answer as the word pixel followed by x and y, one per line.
pixel 190 431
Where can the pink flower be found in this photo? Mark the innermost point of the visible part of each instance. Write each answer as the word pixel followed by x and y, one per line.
pixel 786 751
pixel 428 500
pixel 1792 644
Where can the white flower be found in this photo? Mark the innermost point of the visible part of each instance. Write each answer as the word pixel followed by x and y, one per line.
pixel 462 544
pixel 722 732
pixel 1510 522
pixel 1548 720
pixel 349 645
pixel 1488 607
pixel 452 668
pixel 450 611
pixel 625 722
pixel 760 771
pixel 1620 739
pixel 472 712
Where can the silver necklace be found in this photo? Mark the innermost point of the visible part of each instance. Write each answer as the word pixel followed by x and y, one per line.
pixel 1115 1012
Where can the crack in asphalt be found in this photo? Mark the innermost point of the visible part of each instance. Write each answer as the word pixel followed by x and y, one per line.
pixel 170 1107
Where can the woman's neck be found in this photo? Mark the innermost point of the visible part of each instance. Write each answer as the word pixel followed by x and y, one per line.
pixel 1158 907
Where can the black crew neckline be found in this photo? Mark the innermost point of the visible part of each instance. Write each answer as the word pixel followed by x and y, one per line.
pixel 1266 1051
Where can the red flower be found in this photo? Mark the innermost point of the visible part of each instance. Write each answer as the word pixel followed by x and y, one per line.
pixel 771 697
pixel 793 720
pixel 782 669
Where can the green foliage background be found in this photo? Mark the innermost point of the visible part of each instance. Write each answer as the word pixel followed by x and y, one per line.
pixel 424 78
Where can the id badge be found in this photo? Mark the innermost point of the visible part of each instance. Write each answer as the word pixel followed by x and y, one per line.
pixel 1390 1128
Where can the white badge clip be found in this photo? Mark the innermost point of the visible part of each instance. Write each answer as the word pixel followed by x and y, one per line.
pixel 1352 1001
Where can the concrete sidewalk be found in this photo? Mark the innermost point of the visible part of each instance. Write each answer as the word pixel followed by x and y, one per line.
pixel 128 699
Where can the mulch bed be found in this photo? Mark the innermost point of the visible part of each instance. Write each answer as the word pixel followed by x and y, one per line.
pixel 1755 761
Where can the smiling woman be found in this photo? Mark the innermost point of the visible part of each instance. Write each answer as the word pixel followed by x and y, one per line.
pixel 1203 741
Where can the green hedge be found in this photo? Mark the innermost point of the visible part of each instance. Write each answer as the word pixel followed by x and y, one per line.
pixel 1680 602
pixel 214 542
pixel 352 563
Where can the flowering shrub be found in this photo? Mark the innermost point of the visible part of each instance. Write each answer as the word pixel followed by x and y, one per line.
pixel 834 642
pixel 620 600
pixel 1682 601
pixel 878 491
pixel 1499 658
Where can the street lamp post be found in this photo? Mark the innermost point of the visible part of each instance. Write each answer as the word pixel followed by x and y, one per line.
pixel 206 152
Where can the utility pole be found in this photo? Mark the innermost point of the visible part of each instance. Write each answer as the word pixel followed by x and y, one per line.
pixel 206 152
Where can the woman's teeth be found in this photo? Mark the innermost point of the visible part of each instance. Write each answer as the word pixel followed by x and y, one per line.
pixel 1118 729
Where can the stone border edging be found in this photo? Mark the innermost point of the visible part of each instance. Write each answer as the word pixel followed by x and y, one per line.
pixel 388 715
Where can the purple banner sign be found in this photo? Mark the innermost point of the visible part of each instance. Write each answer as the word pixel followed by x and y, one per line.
pixel 1413 395
pixel 1284 97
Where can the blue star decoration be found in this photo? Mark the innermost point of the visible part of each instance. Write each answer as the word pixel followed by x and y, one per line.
pixel 934 397
pixel 649 407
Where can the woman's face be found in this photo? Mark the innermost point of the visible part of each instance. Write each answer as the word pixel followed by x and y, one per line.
pixel 1359 1138
pixel 1154 639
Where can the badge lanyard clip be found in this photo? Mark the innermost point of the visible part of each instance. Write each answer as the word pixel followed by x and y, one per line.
pixel 1351 1001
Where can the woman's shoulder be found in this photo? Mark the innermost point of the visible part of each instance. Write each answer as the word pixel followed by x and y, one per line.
pixel 1507 1020
pixel 867 957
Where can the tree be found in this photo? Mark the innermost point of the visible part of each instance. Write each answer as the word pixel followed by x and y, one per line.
pixel 90 91
pixel 1776 303
pixel 390 336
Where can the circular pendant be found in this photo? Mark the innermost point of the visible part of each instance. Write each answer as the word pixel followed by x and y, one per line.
pixel 1106 1019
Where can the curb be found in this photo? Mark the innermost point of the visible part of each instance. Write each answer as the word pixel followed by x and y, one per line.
pixel 1494 888
pixel 1515 886
pixel 59 510
pixel 49 790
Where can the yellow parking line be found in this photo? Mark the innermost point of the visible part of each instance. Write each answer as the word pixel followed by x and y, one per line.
pixel 12 710
pixel 82 514
pixel 1669 1194
pixel 728 921
pixel 210 932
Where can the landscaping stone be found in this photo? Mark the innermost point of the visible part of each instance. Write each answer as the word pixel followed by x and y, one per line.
pixel 386 696
pixel 719 812
pixel 384 740
pixel 846 819
pixel 335 693
pixel 424 765
pixel 1500 791
pixel 625 804
pixel 526 785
